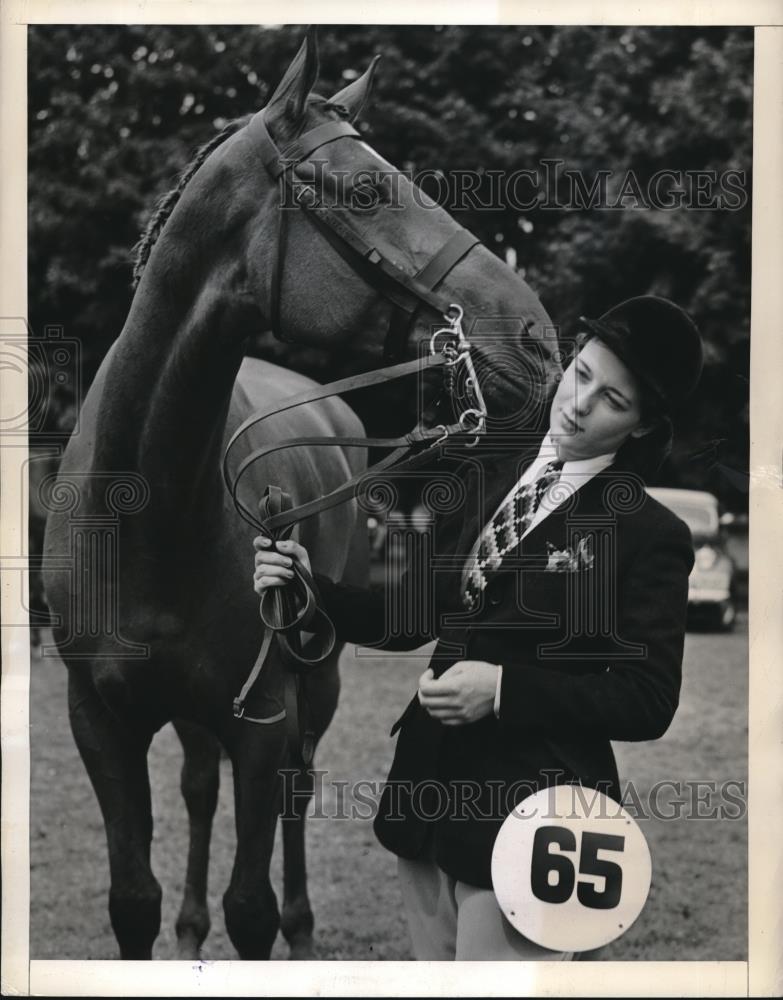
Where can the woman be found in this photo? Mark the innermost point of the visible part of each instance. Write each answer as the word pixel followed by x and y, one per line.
pixel 560 625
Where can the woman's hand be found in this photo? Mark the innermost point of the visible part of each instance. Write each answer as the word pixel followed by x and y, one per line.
pixel 463 693
pixel 274 566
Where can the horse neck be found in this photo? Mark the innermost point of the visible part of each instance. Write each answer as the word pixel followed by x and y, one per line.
pixel 168 387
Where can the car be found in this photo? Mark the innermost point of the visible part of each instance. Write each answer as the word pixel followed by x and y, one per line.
pixel 712 587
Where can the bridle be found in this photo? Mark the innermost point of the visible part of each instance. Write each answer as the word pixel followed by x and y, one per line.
pixel 448 345
pixel 286 615
pixel 406 292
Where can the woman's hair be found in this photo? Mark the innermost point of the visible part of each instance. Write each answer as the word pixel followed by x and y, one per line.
pixel 646 454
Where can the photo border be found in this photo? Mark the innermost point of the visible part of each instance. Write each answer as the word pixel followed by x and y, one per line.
pixel 762 974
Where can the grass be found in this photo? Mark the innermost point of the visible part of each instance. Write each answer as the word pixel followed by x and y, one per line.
pixel 698 904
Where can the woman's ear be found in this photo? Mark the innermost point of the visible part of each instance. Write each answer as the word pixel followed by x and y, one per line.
pixel 646 427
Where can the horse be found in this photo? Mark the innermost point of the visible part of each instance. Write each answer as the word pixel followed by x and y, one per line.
pixel 148 568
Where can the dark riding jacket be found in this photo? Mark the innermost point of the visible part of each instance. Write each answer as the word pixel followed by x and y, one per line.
pixel 588 627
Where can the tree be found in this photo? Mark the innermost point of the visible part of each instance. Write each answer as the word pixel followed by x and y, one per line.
pixel 116 111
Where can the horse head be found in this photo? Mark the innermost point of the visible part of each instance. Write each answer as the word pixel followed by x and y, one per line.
pixel 324 297
pixel 331 246
pixel 245 228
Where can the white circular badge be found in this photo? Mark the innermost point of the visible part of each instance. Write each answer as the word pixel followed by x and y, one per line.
pixel 571 868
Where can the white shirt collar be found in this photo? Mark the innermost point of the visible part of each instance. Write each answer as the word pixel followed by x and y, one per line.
pixel 578 468
pixel 574 476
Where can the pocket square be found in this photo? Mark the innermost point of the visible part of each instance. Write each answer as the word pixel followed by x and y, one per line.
pixel 570 560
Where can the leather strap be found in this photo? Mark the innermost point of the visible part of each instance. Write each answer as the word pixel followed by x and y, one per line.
pixel 403 290
pixel 407 293
pixel 250 683
pixel 433 272
pixel 301 148
pixel 377 377
pixel 402 445
pixel 285 612
pixel 352 487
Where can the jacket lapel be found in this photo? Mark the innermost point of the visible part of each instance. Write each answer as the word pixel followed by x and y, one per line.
pixel 587 501
pixel 556 527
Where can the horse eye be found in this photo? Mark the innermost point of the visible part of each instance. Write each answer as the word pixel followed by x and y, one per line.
pixel 369 193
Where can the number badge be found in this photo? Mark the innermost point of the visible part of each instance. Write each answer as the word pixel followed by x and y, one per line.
pixel 571 868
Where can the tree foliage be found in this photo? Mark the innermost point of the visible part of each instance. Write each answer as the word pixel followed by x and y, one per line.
pixel 115 112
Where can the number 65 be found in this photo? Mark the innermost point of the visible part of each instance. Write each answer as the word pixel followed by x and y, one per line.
pixel 545 861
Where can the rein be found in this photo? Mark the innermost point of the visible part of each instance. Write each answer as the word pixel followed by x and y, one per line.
pixel 452 353
pixel 286 615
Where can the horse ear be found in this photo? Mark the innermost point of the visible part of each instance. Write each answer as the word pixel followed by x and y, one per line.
pixel 299 79
pixel 353 97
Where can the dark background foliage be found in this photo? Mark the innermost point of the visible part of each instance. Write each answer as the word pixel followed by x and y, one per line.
pixel 116 112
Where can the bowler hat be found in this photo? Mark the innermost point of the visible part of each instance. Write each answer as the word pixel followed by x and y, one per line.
pixel 659 343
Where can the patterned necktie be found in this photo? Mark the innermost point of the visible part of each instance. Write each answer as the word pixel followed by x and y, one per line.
pixel 504 532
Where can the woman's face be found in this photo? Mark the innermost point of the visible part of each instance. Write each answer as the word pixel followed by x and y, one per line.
pixel 597 406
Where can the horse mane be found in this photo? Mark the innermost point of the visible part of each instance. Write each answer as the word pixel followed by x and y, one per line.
pixel 167 202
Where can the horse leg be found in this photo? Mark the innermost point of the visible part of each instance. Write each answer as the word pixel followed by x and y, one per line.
pixel 297 917
pixel 199 782
pixel 250 905
pixel 115 755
